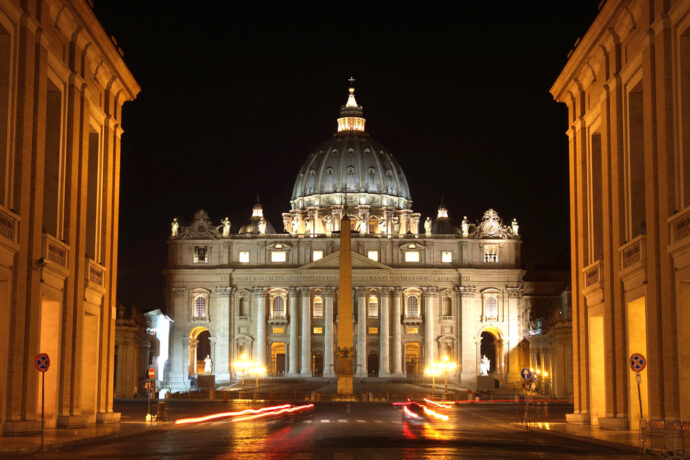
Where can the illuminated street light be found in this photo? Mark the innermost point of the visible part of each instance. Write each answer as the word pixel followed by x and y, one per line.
pixel 446 366
pixel 433 371
pixel 257 371
pixel 243 365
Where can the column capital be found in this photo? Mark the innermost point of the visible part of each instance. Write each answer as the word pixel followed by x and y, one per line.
pixel 466 291
pixel 514 292
pixel 430 290
pixel 386 290
pixel 398 290
pixel 305 290
pixel 258 291
pixel 361 291
pixel 293 291
pixel 328 290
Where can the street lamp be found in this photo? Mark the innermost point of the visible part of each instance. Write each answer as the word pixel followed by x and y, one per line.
pixel 257 371
pixel 446 366
pixel 243 365
pixel 433 371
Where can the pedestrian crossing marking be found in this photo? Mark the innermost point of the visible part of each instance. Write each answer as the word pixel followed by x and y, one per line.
pixel 378 421
pixel 307 421
pixel 325 421
pixel 342 420
pixel 361 421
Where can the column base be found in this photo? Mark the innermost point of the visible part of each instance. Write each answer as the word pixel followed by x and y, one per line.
pixel 14 427
pixel 384 375
pixel 329 374
pixel 397 374
pixel 71 421
pixel 613 423
pixel 108 417
pixel 305 374
pixel 293 374
pixel 577 418
pixel 360 375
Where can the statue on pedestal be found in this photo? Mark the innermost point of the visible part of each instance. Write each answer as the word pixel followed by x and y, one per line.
pixel 262 226
pixel 225 224
pixel 484 366
pixel 174 228
pixel 427 226
pixel 515 227
pixel 465 227
pixel 208 365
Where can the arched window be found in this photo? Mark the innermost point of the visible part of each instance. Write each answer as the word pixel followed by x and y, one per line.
pixel 278 307
pixel 373 307
pixel 446 308
pixel 491 308
pixel 317 308
pixel 412 306
pixel 200 307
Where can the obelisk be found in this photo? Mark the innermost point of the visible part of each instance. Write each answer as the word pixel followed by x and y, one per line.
pixel 345 353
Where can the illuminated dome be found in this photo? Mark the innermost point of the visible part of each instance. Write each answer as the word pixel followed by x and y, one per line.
pixel 257 224
pixel 351 163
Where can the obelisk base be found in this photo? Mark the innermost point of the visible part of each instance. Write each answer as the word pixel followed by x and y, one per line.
pixel 345 378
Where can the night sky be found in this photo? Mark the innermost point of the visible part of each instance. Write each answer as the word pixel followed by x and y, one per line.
pixel 235 95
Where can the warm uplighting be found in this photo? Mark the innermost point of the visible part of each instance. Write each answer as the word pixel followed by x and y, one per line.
pixel 445 366
pixel 243 365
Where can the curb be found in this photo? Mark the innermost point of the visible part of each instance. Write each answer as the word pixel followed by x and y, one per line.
pixel 86 440
pixel 578 437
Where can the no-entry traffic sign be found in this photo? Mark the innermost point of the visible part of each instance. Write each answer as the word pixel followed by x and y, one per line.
pixel 638 362
pixel 42 362
pixel 152 372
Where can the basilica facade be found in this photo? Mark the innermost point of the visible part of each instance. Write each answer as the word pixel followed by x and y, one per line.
pixel 424 288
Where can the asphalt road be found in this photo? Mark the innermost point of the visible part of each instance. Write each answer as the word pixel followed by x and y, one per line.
pixel 344 431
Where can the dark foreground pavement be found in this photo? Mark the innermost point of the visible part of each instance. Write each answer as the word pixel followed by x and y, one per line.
pixel 344 430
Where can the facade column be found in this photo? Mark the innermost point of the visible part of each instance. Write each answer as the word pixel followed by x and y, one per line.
pixel 328 370
pixel 259 295
pixel 222 314
pixel 430 295
pixel 361 370
pixel 384 333
pixel 397 336
pixel 306 332
pixel 293 350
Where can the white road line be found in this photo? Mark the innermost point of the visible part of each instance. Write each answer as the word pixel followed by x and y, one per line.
pixel 378 421
pixel 325 421
pixel 342 420
pixel 361 421
pixel 307 421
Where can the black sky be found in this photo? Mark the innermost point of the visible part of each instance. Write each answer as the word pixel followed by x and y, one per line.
pixel 235 95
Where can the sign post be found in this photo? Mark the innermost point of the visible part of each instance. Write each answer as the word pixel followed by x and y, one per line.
pixel 638 362
pixel 526 374
pixel 149 390
pixel 42 363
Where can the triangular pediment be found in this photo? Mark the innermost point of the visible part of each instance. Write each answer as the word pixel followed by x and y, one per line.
pixel 333 261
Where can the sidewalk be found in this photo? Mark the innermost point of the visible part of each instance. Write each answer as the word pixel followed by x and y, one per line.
pixel 55 438
pixel 619 439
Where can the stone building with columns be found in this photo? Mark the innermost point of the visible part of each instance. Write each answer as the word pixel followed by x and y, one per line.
pixel 63 83
pixel 627 89
pixel 422 289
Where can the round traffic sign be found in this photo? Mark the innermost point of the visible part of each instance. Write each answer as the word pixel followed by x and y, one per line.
pixel 526 373
pixel 638 362
pixel 152 372
pixel 42 362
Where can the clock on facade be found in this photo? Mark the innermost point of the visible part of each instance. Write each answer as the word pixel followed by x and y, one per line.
pixel 490 227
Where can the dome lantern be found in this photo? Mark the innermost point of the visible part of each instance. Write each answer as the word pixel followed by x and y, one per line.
pixel 351 114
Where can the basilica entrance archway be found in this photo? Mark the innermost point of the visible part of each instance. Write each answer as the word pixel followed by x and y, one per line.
pixel 412 354
pixel 317 364
pixel 278 358
pixel 491 348
pixel 373 365
pixel 199 346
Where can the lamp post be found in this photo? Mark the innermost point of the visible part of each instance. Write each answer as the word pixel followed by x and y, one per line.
pixel 243 365
pixel 433 371
pixel 257 371
pixel 445 366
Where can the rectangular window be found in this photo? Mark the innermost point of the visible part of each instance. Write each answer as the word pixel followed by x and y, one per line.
pixel 316 255
pixel 200 254
pixel 491 253
pixel 278 330
pixel 318 330
pixel 373 255
pixel 446 257
pixel 412 256
pixel 244 257
pixel 412 330
pixel 373 330
pixel 278 256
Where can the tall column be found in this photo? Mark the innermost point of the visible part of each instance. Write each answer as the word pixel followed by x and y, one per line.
pixel 306 332
pixel 361 334
pixel 384 332
pixel 397 336
pixel 328 370
pixel 259 295
pixel 430 295
pixel 294 331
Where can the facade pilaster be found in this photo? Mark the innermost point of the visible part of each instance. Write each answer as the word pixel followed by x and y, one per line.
pixel 293 353
pixel 430 317
pixel 361 333
pixel 259 297
pixel 306 332
pixel 328 369
pixel 397 336
pixel 384 332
